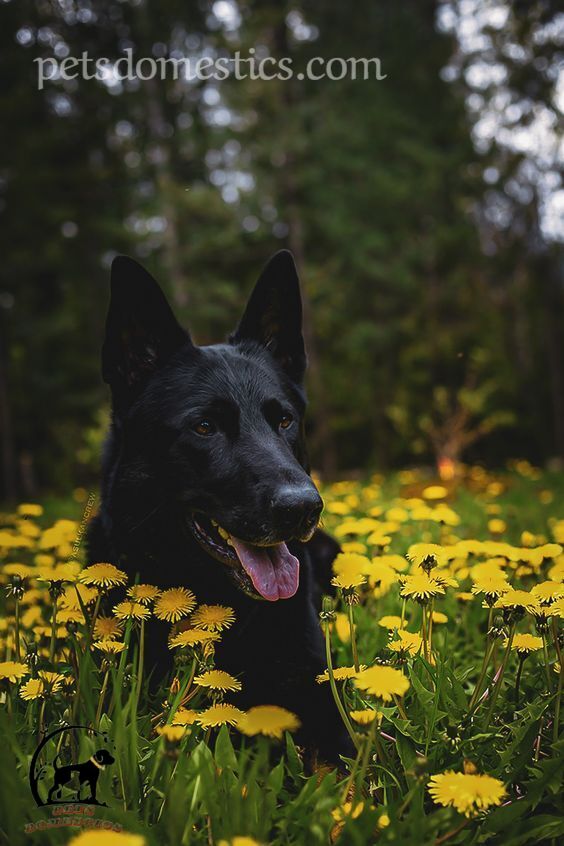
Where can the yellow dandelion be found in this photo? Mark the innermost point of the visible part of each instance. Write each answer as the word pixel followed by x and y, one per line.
pixel 143 593
pixel 464 596
pixel 434 492
pixel 69 597
pixel 439 618
pixel 213 618
pixel 391 622
pixel 103 576
pixel 184 717
pixel 219 715
pixel 269 720
pixel 16 569
pixel 174 603
pixel 518 599
pixel 548 591
pixel 173 734
pixel 469 794
pixel 110 647
pixel 497 526
pixel 556 609
pixel 340 674
pixel 240 841
pixel 525 643
pixel 193 637
pixel 365 716
pixel 218 680
pixel 46 684
pixel 383 682
pixel 13 670
pixel 409 642
pixel 129 610
pixel 70 615
pixel 347 811
pixel 492 586
pixel 427 555
pixel 107 628
pixel 420 586
pixel 342 627
pixel 30 509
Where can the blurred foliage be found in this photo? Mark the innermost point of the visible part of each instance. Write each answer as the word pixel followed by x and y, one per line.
pixel 429 326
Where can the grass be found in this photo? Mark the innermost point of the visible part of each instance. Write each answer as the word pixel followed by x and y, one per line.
pixel 469 700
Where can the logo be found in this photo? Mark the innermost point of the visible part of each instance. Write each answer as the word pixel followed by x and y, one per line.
pixel 67 765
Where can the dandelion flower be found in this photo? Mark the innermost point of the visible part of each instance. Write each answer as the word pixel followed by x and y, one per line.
pixel 239 841
pixel 366 716
pixel 391 622
pixel 427 555
pixel 173 734
pixel 434 492
pixel 219 715
pixel 347 811
pixel 44 685
pixel 525 643
pixel 340 674
pixel 469 794
pixel 518 599
pixel 556 609
pixel 218 680
pixel 408 642
pixel 107 628
pixel 213 618
pixel 193 637
pixel 270 720
pixel 103 576
pixel 420 586
pixel 438 617
pixel 184 717
pixel 492 586
pixel 30 509
pixel 110 647
pixel 143 593
pixel 174 603
pixel 548 591
pixel 13 670
pixel 383 682
pixel 129 610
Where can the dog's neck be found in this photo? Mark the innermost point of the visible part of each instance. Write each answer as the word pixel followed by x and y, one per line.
pixel 93 760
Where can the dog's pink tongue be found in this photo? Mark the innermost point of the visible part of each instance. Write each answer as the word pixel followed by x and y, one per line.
pixel 273 570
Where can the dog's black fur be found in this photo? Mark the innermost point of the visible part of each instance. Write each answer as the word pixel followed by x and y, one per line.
pixel 217 432
pixel 88 773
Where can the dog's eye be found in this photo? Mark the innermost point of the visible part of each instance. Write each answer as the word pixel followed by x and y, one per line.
pixel 204 427
pixel 285 421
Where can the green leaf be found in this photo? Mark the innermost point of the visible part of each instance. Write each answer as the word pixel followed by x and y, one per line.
pixel 224 753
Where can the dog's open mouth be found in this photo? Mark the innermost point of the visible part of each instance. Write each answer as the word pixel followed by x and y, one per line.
pixel 272 572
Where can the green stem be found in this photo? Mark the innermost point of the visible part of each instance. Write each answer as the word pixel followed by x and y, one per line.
pixel 102 695
pixel 518 679
pixel 403 612
pixel 335 692
pixel 546 663
pixel 53 631
pixel 485 663
pixel 424 632
pixel 95 614
pixel 353 638
pixel 400 707
pixel 17 632
pixel 141 657
pixel 499 682
pixel 556 726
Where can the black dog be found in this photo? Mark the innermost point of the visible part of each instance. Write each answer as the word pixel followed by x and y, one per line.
pixel 88 773
pixel 206 484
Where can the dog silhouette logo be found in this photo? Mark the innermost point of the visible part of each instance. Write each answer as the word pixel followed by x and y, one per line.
pixel 67 765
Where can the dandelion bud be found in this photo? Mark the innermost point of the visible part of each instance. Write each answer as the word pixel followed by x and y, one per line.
pixel 327 614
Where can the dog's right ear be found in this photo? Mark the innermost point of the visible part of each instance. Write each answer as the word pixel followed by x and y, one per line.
pixel 141 331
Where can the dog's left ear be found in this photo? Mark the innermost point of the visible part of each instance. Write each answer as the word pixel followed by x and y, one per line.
pixel 273 316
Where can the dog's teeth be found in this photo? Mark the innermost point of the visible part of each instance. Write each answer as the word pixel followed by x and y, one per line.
pixel 223 533
pixel 213 522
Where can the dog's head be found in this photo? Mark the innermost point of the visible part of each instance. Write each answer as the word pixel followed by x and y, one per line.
pixel 218 430
pixel 103 757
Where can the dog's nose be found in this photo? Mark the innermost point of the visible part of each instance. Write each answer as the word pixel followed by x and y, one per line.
pixel 296 509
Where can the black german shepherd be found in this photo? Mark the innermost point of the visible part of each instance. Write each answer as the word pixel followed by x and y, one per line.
pixel 206 484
